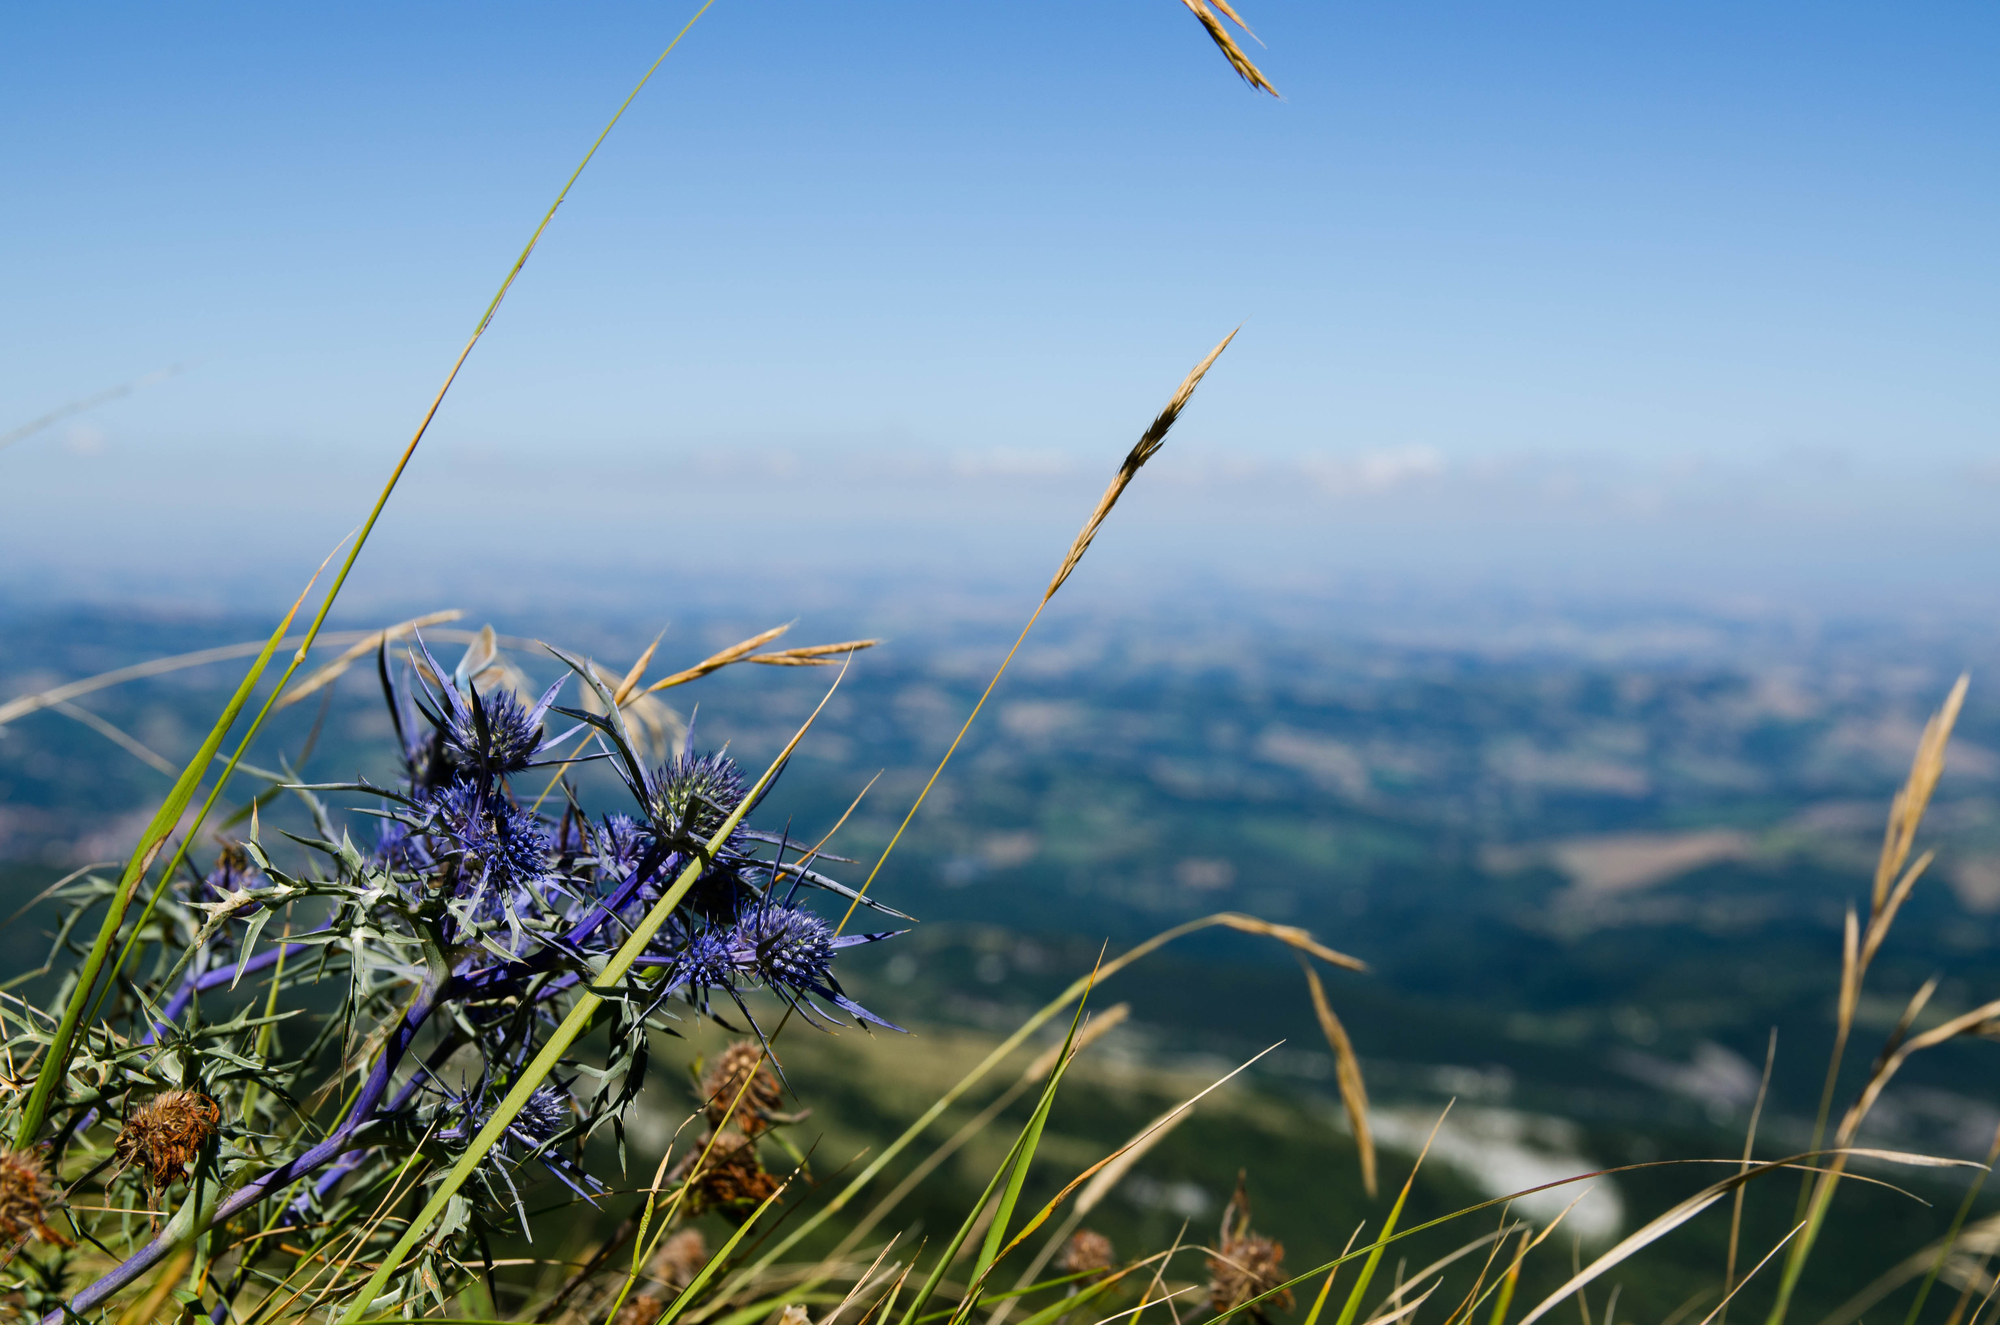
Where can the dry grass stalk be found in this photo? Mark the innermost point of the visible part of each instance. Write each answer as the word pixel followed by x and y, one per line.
pixel 1347 1072
pixel 814 655
pixel 1217 33
pixel 1749 1145
pixel 1142 452
pixel 717 661
pixel 1147 446
pixel 361 648
pixel 1907 812
pixel 1290 935
pixel 1858 947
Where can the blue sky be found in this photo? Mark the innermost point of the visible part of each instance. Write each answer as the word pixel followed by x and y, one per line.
pixel 1708 254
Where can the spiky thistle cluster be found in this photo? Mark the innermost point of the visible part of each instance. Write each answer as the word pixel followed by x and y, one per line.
pixel 466 935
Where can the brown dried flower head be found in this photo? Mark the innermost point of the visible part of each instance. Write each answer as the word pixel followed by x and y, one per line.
pixel 643 1309
pixel 1086 1252
pixel 166 1134
pixel 26 1198
pixel 733 1175
pixel 680 1258
pixel 743 1061
pixel 1245 1264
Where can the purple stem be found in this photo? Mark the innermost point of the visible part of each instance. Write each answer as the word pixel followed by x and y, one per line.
pixel 282 1176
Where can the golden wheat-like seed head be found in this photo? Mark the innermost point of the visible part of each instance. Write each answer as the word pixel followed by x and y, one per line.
pixel 1219 34
pixel 1148 444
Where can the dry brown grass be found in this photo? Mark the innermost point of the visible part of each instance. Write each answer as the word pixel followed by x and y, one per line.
pixel 1225 43
pixel 1143 450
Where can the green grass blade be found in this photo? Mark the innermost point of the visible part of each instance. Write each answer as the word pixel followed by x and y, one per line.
pixel 1031 1139
pixel 700 1281
pixel 1354 1295
pixel 1012 1171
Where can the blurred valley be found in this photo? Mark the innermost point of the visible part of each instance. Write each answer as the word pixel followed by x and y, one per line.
pixel 1592 856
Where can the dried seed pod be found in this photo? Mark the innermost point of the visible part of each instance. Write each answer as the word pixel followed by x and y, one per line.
pixel 27 1198
pixel 742 1062
pixel 166 1134
pixel 643 1309
pixel 732 1175
pixel 1245 1264
pixel 680 1259
pixel 1086 1252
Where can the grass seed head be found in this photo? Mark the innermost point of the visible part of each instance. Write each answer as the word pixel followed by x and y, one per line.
pixel 26 1198
pixel 167 1133
pixel 741 1062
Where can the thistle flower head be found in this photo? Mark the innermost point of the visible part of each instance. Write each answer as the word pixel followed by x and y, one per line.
pixel 27 1198
pixel 231 872
pixel 689 797
pixel 784 947
pixel 1245 1264
pixel 618 843
pixel 166 1134
pixel 1086 1252
pixel 398 850
pixel 732 1175
pixel 740 1087
pixel 679 1260
pixel 487 732
pixel 546 1113
pixel 496 843
pixel 642 1309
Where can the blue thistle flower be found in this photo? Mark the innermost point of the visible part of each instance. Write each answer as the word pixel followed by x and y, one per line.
pixel 546 1112
pixel 689 797
pixel 784 947
pixel 231 872
pixel 398 850
pixel 491 732
pixel 495 842
pixel 619 843
pixel 788 950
